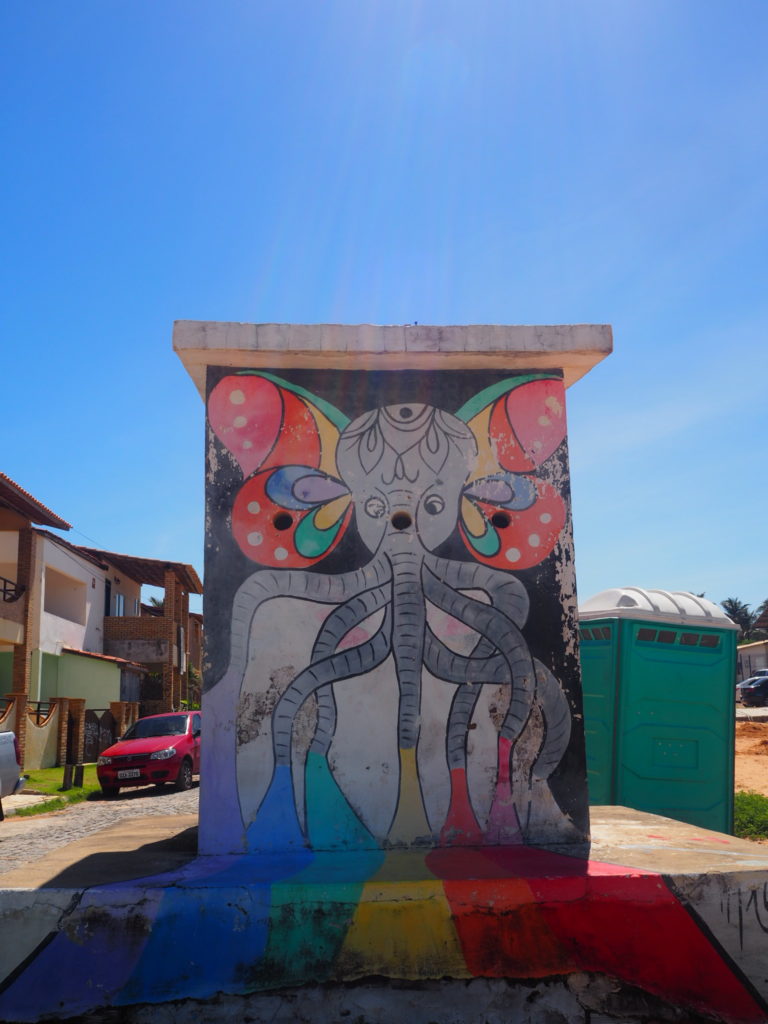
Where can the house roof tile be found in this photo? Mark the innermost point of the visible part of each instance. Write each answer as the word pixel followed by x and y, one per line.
pixel 103 657
pixel 74 548
pixel 149 570
pixel 16 498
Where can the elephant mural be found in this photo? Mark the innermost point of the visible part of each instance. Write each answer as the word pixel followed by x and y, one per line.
pixel 446 509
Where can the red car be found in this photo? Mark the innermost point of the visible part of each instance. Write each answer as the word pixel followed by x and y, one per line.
pixel 155 750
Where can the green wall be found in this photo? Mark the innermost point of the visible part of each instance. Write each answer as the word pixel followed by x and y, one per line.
pixel 71 675
pixel 6 672
pixel 49 677
pixel 98 681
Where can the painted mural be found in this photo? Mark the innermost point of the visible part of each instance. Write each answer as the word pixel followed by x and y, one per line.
pixel 393 764
pixel 397 579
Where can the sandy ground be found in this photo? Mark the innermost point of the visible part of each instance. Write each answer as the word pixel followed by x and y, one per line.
pixel 752 756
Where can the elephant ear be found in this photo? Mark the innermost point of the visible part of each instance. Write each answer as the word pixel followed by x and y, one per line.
pixel 292 509
pixel 510 517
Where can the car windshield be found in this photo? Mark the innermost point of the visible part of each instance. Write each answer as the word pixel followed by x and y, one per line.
pixel 165 725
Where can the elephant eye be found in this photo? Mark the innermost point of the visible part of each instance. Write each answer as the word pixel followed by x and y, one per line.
pixel 434 504
pixel 376 507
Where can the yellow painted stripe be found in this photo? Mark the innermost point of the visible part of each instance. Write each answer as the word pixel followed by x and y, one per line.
pixel 411 819
pixel 329 514
pixel 329 438
pixel 403 930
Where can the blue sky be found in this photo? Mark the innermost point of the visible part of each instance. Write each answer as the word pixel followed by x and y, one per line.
pixel 384 161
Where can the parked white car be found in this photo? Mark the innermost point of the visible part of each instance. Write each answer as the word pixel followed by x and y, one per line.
pixel 11 779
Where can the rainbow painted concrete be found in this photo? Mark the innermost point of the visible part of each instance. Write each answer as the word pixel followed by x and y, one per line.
pixel 249 924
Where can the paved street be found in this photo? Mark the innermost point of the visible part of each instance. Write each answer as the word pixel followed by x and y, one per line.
pixel 23 840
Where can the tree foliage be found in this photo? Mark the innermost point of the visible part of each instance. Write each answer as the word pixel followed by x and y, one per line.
pixel 745 618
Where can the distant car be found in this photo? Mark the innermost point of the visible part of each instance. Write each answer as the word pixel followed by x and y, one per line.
pixel 155 750
pixel 753 692
pixel 11 779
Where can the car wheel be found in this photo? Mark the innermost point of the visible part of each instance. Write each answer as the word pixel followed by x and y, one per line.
pixel 184 778
pixel 110 792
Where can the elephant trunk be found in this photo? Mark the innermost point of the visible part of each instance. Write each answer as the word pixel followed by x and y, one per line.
pixel 406 557
pixel 408 622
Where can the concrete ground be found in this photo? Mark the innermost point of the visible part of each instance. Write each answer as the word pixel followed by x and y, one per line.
pixel 138 847
pixel 751 714
pixel 11 804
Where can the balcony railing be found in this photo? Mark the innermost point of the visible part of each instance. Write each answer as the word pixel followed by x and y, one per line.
pixel 11 590
pixel 39 711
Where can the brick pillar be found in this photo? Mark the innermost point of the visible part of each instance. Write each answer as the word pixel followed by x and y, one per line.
pixel 26 575
pixel 20 715
pixel 125 713
pixel 184 620
pixel 61 743
pixel 171 689
pixel 77 710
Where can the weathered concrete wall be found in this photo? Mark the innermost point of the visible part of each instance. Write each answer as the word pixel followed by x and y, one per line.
pixel 579 999
pixel 390 602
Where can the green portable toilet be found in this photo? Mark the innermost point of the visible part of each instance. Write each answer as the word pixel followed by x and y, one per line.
pixel 658 673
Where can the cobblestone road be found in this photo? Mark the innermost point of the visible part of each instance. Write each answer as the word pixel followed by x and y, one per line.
pixel 23 840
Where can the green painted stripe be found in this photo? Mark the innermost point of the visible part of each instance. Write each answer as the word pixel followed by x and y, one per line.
pixel 336 417
pixel 487 544
pixel 312 542
pixel 490 394
pixel 331 822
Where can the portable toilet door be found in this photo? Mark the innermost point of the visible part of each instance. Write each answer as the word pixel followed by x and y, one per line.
pixel 658 672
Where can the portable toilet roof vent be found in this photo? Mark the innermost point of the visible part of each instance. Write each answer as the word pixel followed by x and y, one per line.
pixel 657 605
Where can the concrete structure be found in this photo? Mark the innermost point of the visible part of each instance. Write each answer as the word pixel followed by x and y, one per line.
pixel 390 586
pixel 393 787
pixel 73 639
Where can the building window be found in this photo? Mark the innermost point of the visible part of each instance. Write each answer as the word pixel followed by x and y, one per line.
pixel 119 604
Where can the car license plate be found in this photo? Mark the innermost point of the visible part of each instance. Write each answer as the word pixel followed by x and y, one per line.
pixel 129 773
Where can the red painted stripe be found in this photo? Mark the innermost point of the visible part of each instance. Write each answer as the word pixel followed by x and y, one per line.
pixel 573 915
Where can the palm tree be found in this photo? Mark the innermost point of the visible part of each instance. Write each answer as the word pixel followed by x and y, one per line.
pixel 741 615
pixel 761 617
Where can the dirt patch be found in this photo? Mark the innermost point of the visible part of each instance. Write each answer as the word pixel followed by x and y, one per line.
pixel 751 767
pixel 747 729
